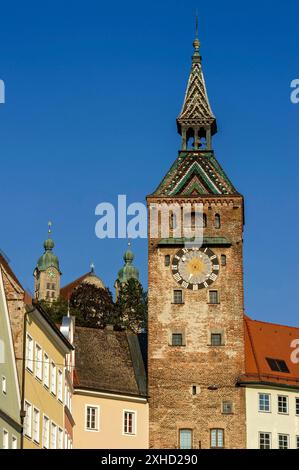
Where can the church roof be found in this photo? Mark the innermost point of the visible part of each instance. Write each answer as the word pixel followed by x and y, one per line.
pixel 269 341
pixel 89 277
pixel 109 361
pixel 195 173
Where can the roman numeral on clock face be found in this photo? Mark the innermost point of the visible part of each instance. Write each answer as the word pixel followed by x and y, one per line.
pixel 177 277
pixel 213 277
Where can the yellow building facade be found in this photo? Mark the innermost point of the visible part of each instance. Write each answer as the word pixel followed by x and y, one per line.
pixel 45 383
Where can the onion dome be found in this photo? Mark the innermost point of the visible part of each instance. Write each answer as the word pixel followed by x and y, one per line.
pixel 128 271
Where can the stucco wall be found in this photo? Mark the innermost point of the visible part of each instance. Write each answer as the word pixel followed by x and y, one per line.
pixel 110 434
pixel 271 422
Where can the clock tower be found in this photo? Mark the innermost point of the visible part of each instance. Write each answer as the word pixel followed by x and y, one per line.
pixel 196 305
pixel 47 273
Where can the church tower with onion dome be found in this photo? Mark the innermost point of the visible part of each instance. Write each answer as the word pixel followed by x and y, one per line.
pixel 47 272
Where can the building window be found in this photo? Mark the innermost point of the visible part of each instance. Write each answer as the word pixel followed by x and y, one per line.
pixel 36 418
pixel 185 439
pixel 48 286
pixel 53 286
pixel 53 435
pixel 216 339
pixel 264 402
pixel 60 439
pixel 177 296
pixel 29 353
pixel 177 339
pixel 129 422
pixel 213 297
pixel 204 220
pixel 5 439
pixel 60 380
pixel 14 442
pixel 167 260
pixel 217 438
pixel 4 385
pixel 283 404
pixel 46 429
pixel 223 260
pixel 265 440
pixel 283 441
pixel 217 221
pixel 53 378
pixel 173 221
pixel 92 418
pixel 46 370
pixel 28 420
pixel 297 442
pixel 297 406
pixel 227 407
pixel 38 361
pixel 194 390
pixel 48 294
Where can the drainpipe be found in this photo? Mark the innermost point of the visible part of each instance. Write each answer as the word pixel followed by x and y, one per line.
pixel 22 411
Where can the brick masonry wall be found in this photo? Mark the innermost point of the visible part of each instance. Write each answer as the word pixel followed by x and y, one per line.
pixel 173 370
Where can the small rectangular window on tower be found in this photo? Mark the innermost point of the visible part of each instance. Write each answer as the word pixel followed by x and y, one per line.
pixel 167 260
pixel 177 296
pixel 216 339
pixel 213 297
pixel 177 339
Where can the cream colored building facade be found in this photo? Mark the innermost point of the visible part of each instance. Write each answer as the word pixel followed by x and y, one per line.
pixel 121 422
pixel 44 383
pixel 272 417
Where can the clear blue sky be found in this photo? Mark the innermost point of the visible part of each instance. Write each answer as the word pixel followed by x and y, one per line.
pixel 92 92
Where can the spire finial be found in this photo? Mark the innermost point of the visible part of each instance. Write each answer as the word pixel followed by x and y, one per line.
pixel 92 267
pixel 68 308
pixel 196 42
pixel 196 24
pixel 49 227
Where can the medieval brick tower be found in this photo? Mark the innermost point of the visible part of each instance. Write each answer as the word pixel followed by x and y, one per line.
pixel 196 337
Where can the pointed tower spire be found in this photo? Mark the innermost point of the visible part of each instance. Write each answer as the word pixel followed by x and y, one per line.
pixel 196 118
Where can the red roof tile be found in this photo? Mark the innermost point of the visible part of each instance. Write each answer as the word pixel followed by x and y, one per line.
pixel 268 340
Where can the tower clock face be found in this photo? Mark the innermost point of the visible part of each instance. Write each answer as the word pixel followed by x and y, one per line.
pixel 51 274
pixel 195 268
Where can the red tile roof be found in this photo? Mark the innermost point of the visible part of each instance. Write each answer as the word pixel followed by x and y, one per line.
pixel 268 340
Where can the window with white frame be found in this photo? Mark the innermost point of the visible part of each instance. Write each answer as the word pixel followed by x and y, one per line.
pixel 46 430
pixel 59 387
pixel 297 406
pixel 14 442
pixel 129 422
pixel 53 378
pixel 283 441
pixel 46 370
pixel 185 439
pixel 4 385
pixel 53 435
pixel 28 420
pixel 264 402
pixel 5 439
pixel 60 439
pixel 265 440
pixel 38 361
pixel 36 424
pixel 92 418
pixel 283 404
pixel 29 352
pixel 297 442
pixel 217 438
